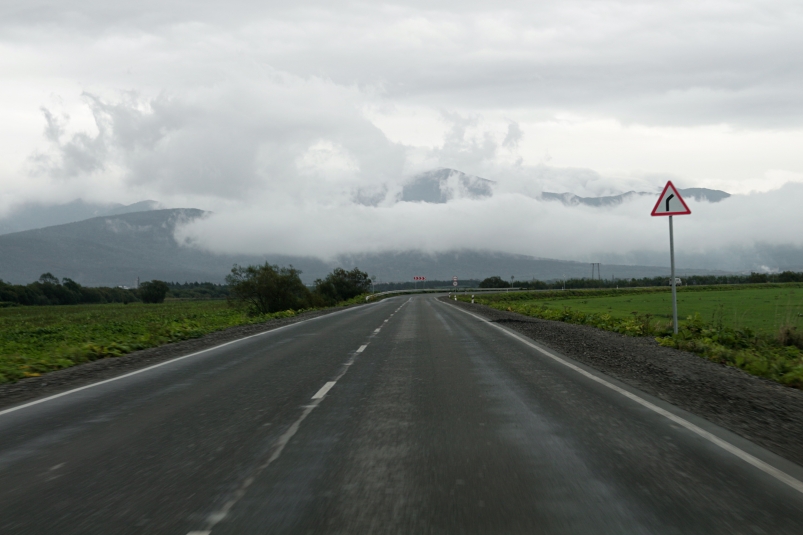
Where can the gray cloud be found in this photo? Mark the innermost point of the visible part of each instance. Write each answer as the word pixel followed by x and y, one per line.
pixel 259 111
pixel 513 136
pixel 508 222
pixel 648 62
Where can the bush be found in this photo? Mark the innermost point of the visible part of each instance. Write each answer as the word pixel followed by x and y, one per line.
pixel 494 282
pixel 267 288
pixel 153 291
pixel 341 285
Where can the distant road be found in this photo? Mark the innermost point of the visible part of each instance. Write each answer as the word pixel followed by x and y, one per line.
pixel 406 416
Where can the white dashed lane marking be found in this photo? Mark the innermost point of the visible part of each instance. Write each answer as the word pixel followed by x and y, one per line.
pixel 219 515
pixel 324 389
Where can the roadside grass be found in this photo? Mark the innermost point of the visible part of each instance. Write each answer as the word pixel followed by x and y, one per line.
pixel 756 328
pixel 37 340
pixel 762 310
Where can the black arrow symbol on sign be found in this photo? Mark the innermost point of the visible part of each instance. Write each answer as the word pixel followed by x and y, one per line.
pixel 669 199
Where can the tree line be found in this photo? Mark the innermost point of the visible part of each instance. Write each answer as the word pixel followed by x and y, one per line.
pixel 260 289
pixel 49 290
pixel 692 280
pixel 267 288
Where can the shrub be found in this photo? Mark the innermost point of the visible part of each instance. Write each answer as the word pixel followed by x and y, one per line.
pixel 494 282
pixel 153 291
pixel 266 289
pixel 341 285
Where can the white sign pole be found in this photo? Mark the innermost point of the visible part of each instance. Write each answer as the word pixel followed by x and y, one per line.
pixel 670 203
pixel 674 289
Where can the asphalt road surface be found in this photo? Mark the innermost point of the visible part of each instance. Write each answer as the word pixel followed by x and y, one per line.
pixel 405 416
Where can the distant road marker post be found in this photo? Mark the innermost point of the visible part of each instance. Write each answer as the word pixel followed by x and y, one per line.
pixel 670 203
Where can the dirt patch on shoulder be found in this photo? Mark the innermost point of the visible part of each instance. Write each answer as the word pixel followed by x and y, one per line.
pixel 759 410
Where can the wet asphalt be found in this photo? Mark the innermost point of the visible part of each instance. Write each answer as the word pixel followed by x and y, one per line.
pixel 437 422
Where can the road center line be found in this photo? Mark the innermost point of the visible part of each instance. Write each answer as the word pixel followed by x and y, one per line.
pixel 324 389
pixel 727 446
pixel 279 446
pixel 377 330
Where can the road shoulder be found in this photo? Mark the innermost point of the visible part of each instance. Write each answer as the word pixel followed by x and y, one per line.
pixel 761 411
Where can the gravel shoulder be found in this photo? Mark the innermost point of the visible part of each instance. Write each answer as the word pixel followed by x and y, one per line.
pixel 91 372
pixel 764 412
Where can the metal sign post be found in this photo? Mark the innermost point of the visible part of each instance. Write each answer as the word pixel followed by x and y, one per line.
pixel 670 203
pixel 674 288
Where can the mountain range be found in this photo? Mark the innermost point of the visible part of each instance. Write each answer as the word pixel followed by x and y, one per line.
pixel 114 244
pixel 117 249
pixel 34 215
pixel 440 186
pixel 570 199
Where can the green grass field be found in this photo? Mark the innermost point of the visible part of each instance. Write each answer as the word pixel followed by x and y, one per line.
pixel 762 310
pixel 36 340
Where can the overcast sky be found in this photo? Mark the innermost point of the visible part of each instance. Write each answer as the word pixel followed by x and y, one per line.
pixel 278 115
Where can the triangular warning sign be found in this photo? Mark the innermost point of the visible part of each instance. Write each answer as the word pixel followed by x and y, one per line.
pixel 670 202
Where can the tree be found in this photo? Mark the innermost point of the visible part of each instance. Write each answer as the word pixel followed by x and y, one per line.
pixel 71 285
pixel 267 288
pixel 341 285
pixel 49 278
pixel 153 291
pixel 494 282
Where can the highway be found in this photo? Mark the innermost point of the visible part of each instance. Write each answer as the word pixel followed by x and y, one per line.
pixel 409 415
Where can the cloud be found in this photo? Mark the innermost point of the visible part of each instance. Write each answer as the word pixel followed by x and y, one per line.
pixel 227 142
pixel 302 120
pixel 508 222
pixel 513 136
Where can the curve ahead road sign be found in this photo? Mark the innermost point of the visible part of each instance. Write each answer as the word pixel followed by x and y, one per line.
pixel 670 202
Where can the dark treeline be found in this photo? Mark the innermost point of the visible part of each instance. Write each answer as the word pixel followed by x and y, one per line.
pixel 49 290
pixel 395 286
pixel 693 280
pixel 197 290
pixel 499 282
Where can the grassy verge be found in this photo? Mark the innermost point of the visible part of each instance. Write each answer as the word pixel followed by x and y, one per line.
pixel 36 340
pixel 755 328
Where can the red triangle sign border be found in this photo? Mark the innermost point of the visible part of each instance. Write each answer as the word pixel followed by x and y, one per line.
pixel 661 197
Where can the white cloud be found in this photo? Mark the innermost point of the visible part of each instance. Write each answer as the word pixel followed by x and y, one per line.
pixel 509 222
pixel 287 112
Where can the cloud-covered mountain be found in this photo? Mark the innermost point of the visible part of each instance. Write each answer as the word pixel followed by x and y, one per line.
pixel 570 199
pixel 116 250
pixel 35 215
pixel 443 185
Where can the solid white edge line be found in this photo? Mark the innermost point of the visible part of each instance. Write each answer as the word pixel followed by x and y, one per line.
pixel 362 348
pixel 165 363
pixel 727 446
pixel 324 389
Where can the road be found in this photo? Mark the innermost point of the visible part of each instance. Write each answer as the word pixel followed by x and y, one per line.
pixel 405 416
